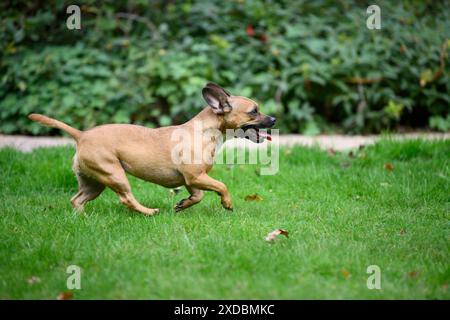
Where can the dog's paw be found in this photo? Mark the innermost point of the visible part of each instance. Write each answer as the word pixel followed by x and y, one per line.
pixel 151 212
pixel 178 208
pixel 227 205
pixel 180 205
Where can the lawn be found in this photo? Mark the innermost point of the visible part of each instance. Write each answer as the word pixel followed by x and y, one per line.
pixel 386 205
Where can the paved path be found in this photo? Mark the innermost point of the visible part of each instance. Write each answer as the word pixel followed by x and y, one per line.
pixel 337 142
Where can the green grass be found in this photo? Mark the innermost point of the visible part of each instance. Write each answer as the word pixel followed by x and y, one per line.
pixel 341 219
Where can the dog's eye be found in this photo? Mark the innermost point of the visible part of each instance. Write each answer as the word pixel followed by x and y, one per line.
pixel 254 112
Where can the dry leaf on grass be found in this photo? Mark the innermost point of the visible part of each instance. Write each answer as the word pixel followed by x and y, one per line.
pixel 389 166
pixel 253 197
pixel 331 152
pixel 274 234
pixel 33 279
pixel 413 274
pixel 345 273
pixel 66 295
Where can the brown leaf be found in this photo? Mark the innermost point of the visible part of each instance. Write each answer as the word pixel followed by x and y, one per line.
pixel 389 166
pixel 274 234
pixel 253 197
pixel 33 279
pixel 331 152
pixel 345 273
pixel 66 295
pixel 413 274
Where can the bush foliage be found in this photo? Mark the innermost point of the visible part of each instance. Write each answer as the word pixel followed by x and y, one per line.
pixel 314 64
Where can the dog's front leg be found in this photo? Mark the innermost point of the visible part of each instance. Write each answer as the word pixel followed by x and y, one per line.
pixel 205 182
pixel 195 197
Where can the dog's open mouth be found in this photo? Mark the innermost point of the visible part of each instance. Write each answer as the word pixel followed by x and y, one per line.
pixel 255 134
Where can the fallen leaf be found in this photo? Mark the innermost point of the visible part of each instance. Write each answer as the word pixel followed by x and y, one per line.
pixel 331 152
pixel 345 273
pixel 253 197
pixel 273 235
pixel 33 279
pixel 389 166
pixel 66 295
pixel 413 274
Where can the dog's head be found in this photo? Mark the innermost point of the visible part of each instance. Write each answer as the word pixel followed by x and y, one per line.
pixel 238 113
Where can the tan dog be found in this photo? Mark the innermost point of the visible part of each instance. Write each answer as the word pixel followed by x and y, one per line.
pixel 106 152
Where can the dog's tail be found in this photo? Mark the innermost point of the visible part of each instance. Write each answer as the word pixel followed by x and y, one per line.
pixel 49 122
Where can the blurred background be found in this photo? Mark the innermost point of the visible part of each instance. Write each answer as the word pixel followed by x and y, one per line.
pixel 312 64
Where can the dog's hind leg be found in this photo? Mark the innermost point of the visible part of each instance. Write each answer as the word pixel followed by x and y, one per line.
pixel 108 171
pixel 88 189
pixel 114 177
pixel 195 197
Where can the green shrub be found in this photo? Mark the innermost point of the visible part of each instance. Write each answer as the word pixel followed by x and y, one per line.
pixel 314 64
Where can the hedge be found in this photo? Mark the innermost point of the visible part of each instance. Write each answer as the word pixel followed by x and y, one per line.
pixel 313 64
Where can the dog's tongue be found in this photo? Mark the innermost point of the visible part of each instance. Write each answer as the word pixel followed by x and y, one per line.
pixel 265 135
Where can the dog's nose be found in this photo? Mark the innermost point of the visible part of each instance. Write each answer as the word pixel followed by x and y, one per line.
pixel 273 120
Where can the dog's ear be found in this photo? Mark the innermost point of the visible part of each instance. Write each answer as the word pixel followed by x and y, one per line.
pixel 217 100
pixel 216 87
